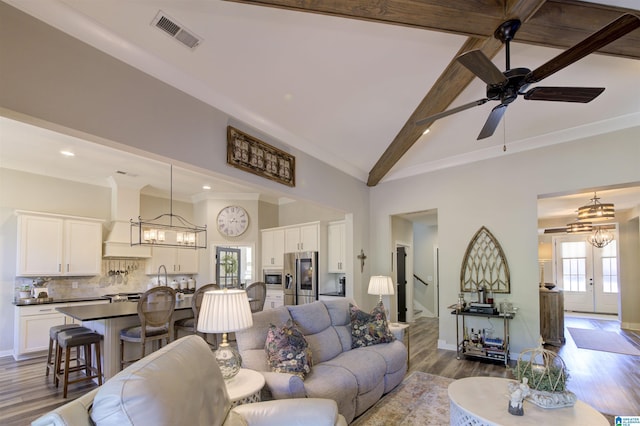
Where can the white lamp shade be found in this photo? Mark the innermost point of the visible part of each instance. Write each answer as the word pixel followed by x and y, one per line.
pixel 224 311
pixel 380 285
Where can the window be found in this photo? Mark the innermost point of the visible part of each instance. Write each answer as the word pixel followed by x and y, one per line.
pixel 574 266
pixel 609 268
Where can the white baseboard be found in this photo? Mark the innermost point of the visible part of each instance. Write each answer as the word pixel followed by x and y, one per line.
pixel 442 344
pixel 6 353
pixel 630 326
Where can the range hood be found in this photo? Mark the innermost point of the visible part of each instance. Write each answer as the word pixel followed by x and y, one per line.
pixel 125 205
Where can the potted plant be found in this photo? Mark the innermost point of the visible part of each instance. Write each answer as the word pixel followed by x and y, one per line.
pixel 24 291
pixel 546 376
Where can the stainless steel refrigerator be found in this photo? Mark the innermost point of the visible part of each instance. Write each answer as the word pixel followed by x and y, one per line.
pixel 300 278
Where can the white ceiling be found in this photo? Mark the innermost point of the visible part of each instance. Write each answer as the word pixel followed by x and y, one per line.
pixel 335 88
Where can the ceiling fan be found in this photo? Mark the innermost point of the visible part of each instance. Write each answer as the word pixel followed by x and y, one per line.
pixel 508 85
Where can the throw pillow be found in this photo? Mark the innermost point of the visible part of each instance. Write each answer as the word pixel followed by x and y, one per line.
pixel 287 350
pixel 369 329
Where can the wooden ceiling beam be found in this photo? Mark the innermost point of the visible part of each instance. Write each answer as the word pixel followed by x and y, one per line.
pixel 554 23
pixel 471 18
pixel 454 79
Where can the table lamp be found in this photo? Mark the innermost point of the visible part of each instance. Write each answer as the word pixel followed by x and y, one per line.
pixel 225 311
pixel 382 286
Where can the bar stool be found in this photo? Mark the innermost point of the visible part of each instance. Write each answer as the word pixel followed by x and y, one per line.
pixel 57 363
pixel 155 310
pixel 53 342
pixel 190 325
pixel 78 338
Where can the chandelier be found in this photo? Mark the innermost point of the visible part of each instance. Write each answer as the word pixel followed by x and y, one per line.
pixel 168 230
pixel 577 227
pixel 600 237
pixel 596 210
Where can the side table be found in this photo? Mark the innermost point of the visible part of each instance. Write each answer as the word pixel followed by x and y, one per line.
pixel 245 387
pixel 484 401
pixel 400 330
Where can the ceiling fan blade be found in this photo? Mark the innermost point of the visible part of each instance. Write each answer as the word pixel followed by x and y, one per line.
pixel 451 111
pixel 564 94
pixel 479 64
pixel 608 34
pixel 492 121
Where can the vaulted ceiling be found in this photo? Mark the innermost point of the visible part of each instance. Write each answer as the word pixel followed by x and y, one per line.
pixel 559 24
pixel 345 81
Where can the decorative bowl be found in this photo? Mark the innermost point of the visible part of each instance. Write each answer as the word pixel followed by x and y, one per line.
pixel 550 286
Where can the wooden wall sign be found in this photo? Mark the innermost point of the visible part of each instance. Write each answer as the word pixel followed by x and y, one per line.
pixel 255 156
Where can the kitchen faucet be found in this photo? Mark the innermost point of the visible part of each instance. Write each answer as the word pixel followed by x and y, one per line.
pixel 165 275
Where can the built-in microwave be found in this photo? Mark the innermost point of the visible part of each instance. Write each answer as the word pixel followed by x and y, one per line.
pixel 272 277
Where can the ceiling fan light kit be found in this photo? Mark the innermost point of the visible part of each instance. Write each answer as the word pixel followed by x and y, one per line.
pixel 508 85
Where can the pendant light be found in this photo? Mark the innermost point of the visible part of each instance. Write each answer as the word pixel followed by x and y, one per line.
pixel 600 237
pixel 168 230
pixel 596 210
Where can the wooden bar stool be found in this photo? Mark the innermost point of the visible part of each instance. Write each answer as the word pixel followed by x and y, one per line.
pixel 78 339
pixel 57 363
pixel 53 342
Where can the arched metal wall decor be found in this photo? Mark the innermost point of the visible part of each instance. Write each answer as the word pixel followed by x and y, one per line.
pixel 485 265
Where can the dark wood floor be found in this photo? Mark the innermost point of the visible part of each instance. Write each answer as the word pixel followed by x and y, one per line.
pixel 609 382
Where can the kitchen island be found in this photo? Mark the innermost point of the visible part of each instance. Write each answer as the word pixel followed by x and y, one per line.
pixel 108 320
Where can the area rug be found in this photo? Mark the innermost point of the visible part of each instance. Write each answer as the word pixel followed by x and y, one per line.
pixel 601 340
pixel 421 399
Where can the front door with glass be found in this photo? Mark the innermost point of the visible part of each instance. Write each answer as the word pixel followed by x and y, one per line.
pixel 588 275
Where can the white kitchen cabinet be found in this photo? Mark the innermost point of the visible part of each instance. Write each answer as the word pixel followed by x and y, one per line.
pixel 274 299
pixel 302 238
pixel 32 324
pixel 176 260
pixel 336 247
pixel 272 248
pixel 83 247
pixel 58 245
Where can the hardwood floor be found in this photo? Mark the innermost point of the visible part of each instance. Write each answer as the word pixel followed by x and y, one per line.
pixel 608 382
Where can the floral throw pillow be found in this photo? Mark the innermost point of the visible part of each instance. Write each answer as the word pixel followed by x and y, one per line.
pixel 369 329
pixel 287 350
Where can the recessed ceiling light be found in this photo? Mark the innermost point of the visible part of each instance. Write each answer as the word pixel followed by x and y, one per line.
pixel 206 187
pixel 425 132
pixel 67 153
pixel 288 97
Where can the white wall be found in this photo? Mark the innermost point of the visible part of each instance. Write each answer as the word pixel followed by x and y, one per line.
pixel 501 194
pixel 27 191
pixel 67 86
pixel 425 238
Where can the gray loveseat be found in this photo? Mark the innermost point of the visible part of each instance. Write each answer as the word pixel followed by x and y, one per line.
pixel 354 378
pixel 181 384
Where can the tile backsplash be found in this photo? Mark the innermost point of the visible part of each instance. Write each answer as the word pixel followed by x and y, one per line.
pixel 118 276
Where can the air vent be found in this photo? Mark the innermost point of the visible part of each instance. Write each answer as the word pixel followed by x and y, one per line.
pixel 174 29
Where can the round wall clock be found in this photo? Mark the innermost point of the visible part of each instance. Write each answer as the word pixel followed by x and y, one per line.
pixel 233 221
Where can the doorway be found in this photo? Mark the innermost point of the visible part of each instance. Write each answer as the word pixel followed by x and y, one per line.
pixel 401 282
pixel 588 275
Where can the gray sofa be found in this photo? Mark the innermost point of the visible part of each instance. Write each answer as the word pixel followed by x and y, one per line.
pixel 181 384
pixel 354 378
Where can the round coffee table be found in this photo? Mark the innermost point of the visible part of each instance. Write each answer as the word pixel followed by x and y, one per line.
pixel 485 401
pixel 245 387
